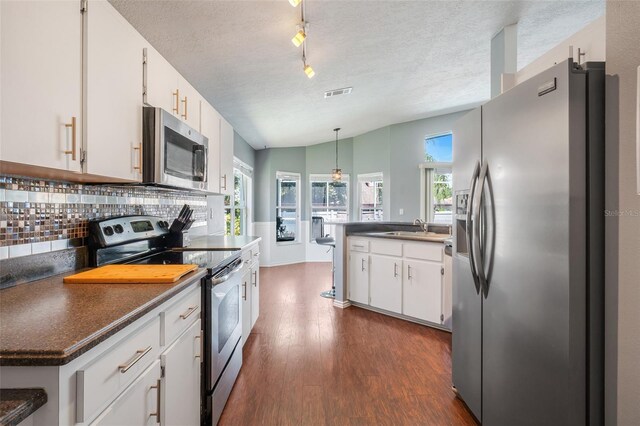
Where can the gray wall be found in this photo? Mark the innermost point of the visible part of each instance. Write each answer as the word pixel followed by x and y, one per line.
pixel 268 162
pixel 243 151
pixel 321 159
pixel 394 150
pixel 622 309
pixel 407 142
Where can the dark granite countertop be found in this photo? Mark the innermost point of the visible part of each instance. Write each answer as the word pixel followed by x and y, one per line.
pixel 47 322
pixel 18 404
pixel 221 242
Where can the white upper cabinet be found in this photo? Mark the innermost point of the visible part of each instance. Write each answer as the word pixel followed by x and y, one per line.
pixel 41 83
pixel 226 157
pixel 162 83
pixel 189 109
pixel 114 94
pixel 210 127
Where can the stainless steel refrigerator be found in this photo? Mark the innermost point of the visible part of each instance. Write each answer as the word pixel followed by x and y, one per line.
pixel 528 173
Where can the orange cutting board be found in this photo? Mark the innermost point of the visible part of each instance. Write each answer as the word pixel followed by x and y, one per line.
pixel 131 274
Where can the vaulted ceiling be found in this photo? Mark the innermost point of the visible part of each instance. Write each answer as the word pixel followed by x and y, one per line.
pixel 404 59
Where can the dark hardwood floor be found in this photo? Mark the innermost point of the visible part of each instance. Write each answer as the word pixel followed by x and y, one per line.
pixel 309 363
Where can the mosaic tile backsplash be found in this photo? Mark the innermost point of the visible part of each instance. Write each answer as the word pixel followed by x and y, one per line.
pixel 48 215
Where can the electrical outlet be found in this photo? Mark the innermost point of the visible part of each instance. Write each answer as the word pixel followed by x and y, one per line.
pixel 401 212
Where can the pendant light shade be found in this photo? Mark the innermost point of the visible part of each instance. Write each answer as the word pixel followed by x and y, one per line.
pixel 336 174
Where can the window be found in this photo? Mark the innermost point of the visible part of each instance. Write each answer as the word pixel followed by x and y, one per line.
pixel 287 199
pixel 237 211
pixel 330 199
pixel 437 193
pixel 370 197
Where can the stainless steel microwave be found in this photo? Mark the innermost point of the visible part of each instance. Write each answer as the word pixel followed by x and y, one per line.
pixel 174 154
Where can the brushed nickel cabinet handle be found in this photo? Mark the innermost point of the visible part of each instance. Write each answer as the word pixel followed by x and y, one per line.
pixel 73 138
pixel 362 267
pixel 139 354
pixel 395 269
pixel 255 278
pixel 176 109
pixel 184 101
pixel 187 314
pixel 244 291
pixel 409 272
pixel 224 177
pixel 199 337
pixel 158 401
pixel 139 149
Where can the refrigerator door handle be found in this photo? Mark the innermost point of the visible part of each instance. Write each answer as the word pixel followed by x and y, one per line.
pixel 472 258
pixel 477 248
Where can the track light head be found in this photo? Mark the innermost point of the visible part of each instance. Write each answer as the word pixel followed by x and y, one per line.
pixel 298 39
pixel 309 71
pixel 295 3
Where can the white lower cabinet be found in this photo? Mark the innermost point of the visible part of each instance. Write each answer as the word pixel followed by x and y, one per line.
pixel 359 277
pixel 246 305
pixel 397 276
pixel 250 290
pixel 386 283
pixel 422 290
pixel 255 292
pixel 180 403
pixel 138 404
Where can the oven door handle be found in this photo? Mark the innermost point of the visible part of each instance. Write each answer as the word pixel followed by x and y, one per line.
pixel 220 280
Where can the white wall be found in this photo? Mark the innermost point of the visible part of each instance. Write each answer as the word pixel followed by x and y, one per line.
pixel 274 254
pixel 622 310
pixel 590 39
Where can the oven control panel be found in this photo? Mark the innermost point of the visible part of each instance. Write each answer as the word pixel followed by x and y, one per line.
pixel 124 229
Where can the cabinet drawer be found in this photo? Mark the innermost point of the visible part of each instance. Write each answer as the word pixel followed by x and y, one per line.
pixel 424 251
pixel 387 247
pixel 105 376
pixel 358 244
pixel 179 316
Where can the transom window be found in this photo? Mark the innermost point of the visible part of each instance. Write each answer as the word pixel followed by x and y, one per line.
pixel 436 182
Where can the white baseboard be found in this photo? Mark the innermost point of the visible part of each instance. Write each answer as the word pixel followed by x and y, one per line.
pixel 341 305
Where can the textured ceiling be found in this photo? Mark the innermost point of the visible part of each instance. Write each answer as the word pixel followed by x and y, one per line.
pixel 405 60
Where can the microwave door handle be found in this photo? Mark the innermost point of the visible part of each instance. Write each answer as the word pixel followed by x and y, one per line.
pixel 199 161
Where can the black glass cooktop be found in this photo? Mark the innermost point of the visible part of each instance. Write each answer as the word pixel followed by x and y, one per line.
pixel 213 260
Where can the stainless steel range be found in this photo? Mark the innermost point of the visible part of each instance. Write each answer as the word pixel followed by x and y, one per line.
pixel 148 240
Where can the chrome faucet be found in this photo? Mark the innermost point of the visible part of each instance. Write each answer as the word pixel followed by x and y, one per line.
pixel 422 224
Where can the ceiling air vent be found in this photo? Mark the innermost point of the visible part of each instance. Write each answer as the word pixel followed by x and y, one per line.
pixel 336 92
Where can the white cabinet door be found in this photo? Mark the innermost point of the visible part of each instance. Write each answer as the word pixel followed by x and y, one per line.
pixel 386 283
pixel 162 83
pixel 210 127
pixel 359 277
pixel 114 94
pixel 189 103
pixel 422 290
pixel 138 404
pixel 226 157
pixel 255 292
pixel 246 306
pixel 41 83
pixel 181 383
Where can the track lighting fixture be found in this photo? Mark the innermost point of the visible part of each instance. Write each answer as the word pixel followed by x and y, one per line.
pixel 298 39
pixel 309 71
pixel 295 3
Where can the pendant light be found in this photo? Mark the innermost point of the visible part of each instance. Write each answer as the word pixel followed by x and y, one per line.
pixel 336 174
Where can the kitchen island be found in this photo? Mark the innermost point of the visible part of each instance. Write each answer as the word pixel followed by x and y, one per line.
pixel 394 268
